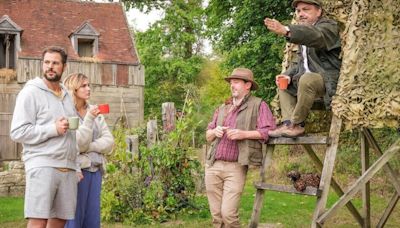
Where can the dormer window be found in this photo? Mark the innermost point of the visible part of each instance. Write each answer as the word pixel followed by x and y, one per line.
pixel 85 40
pixel 85 47
pixel 10 34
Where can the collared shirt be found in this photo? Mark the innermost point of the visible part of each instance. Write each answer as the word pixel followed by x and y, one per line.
pixel 304 54
pixel 228 150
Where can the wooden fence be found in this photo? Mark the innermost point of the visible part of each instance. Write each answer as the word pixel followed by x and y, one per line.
pixel 9 150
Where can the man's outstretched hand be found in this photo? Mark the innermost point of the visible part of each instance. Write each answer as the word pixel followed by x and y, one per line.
pixel 275 26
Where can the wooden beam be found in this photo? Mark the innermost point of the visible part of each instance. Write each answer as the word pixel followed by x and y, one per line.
pixel 327 170
pixel 365 189
pixel 336 187
pixel 258 201
pixel 388 210
pixel 311 191
pixel 7 51
pixel 387 168
pixel 304 140
pixel 361 181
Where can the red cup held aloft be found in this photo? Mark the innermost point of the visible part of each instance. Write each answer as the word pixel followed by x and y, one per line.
pixel 283 83
pixel 104 108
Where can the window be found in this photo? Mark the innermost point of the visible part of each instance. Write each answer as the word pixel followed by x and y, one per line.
pixel 85 47
pixel 85 40
pixel 9 42
pixel 7 47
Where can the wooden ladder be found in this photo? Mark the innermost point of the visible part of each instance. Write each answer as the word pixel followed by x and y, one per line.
pixel 326 169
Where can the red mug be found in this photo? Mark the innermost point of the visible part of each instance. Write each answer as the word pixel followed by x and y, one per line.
pixel 104 108
pixel 283 83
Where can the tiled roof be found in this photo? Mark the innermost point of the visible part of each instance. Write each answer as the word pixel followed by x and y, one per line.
pixel 51 22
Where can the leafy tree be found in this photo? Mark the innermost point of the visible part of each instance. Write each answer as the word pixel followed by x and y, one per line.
pixel 236 29
pixel 212 91
pixel 170 50
pixel 146 5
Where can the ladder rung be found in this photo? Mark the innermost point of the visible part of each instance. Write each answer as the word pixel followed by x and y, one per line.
pixel 311 191
pixel 299 140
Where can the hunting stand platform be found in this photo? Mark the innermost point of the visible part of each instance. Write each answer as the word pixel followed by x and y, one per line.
pixel 321 214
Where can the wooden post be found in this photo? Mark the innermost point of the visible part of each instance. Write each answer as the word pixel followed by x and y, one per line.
pixel 392 176
pixel 151 133
pixel 168 116
pixel 389 209
pixel 7 51
pixel 374 168
pixel 387 168
pixel 193 139
pixel 258 201
pixel 327 171
pixel 132 149
pixel 365 190
pixel 132 144
pixel 339 191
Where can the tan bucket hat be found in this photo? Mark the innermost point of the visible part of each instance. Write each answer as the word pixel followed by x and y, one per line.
pixel 314 2
pixel 244 74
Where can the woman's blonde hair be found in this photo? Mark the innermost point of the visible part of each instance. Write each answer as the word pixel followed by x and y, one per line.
pixel 73 82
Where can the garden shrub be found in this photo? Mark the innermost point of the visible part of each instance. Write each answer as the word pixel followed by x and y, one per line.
pixel 154 184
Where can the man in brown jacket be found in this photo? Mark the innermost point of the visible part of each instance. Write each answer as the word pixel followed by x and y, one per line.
pixel 236 132
pixel 316 71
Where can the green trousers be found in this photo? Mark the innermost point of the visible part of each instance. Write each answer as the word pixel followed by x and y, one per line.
pixel 310 87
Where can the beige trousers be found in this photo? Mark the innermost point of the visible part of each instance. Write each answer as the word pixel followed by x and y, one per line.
pixel 224 184
pixel 311 86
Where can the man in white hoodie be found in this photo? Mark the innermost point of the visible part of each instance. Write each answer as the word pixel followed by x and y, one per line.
pixel 49 147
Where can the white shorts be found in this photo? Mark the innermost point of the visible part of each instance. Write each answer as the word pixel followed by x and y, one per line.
pixel 50 193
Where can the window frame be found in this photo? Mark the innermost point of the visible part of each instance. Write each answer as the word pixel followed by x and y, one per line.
pixel 85 32
pixel 9 27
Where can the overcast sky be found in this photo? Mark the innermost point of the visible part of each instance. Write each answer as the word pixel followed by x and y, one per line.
pixel 140 21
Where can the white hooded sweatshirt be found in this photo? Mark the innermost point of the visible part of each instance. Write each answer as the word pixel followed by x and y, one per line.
pixel 34 125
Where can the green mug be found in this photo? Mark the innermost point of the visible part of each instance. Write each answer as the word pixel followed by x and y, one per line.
pixel 73 123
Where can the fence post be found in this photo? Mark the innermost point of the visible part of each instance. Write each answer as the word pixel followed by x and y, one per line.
pixel 168 116
pixel 132 143
pixel 151 133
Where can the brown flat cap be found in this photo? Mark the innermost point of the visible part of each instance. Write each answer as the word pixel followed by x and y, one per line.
pixel 244 74
pixel 314 2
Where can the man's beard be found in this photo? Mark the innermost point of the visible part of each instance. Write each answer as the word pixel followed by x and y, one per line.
pixel 234 93
pixel 56 78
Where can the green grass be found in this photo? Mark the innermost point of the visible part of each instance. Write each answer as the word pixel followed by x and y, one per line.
pixel 11 209
pixel 279 210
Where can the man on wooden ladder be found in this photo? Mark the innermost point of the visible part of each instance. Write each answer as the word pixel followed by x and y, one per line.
pixel 314 74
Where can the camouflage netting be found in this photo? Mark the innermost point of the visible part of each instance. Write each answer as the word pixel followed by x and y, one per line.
pixel 368 92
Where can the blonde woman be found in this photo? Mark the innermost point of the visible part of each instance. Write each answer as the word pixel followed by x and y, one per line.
pixel 94 140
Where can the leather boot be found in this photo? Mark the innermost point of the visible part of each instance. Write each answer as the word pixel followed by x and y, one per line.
pixel 277 132
pixel 293 131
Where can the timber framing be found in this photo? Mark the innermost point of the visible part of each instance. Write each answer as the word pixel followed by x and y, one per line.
pixel 321 213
